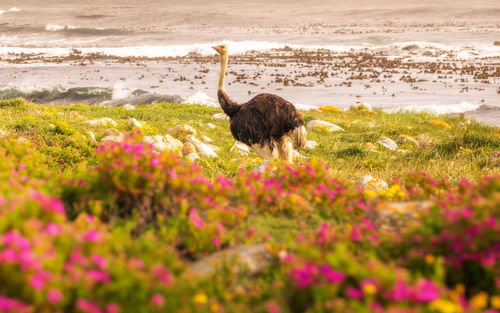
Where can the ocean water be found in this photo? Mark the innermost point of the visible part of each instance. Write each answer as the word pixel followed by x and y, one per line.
pixel 277 46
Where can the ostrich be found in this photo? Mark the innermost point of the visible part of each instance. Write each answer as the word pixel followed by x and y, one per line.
pixel 266 123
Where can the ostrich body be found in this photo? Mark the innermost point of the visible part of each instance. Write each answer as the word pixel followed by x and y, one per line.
pixel 266 123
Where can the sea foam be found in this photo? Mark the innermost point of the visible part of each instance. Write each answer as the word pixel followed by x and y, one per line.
pixel 461 107
pixel 11 10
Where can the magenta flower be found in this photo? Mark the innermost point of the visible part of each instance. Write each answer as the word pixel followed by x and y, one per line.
pixel 333 276
pixel 99 276
pixel 112 308
pixel 426 291
pixel 155 162
pixel 305 276
pixel 87 306
pixel 99 260
pixel 54 296
pixel 158 300
pixel 217 241
pixel 22 167
pixel 91 236
pixel 10 305
pixel 354 293
pixel 52 229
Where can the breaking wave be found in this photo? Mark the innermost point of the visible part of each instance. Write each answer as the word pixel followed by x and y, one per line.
pixel 462 107
pixel 11 10
pixel 71 29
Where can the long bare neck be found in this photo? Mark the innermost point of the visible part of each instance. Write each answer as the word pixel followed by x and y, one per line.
pixel 223 68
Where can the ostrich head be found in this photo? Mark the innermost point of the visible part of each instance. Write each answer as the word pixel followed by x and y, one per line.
pixel 221 48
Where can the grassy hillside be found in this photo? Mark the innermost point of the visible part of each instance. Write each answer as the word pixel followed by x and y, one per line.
pixel 119 227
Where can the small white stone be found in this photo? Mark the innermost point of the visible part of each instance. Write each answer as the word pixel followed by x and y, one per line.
pixel 311 144
pixel 372 183
pixel 297 156
pixel 134 123
pixel 240 148
pixel 322 125
pixel 91 135
pixel 182 129
pixel 360 106
pixel 192 156
pixel 211 126
pixel 220 116
pixel 105 121
pixel 128 106
pixel 202 148
pixel 388 143
pixel 207 139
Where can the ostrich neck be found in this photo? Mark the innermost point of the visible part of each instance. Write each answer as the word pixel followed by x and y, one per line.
pixel 223 68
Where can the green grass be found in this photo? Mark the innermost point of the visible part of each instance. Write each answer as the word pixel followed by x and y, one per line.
pixel 60 132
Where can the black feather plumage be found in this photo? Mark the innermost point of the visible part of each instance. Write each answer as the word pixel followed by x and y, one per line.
pixel 261 119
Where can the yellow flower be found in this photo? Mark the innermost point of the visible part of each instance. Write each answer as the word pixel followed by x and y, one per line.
pixel 369 289
pixel 429 258
pixel 440 124
pixel 495 302
pixel 479 301
pixel 214 307
pixel 370 193
pixel 497 135
pixel 200 298
pixel 330 108
pixel 445 306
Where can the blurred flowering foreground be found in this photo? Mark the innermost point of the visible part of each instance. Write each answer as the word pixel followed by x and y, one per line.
pixel 121 236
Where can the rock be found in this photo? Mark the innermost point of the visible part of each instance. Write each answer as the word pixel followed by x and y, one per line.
pixel 358 106
pixel 496 43
pixel 174 143
pixel 215 148
pixel 323 126
pixel 192 156
pixel 76 115
pixel 134 123
pixel 188 148
pixel 220 116
pixel 159 143
pixel 182 130
pixel 424 141
pixel 372 183
pixel 91 135
pixel 388 143
pixel 105 121
pixel 202 148
pixel 311 144
pixel 370 146
pixel 264 166
pixel 405 139
pixel 394 216
pixel 403 151
pixel 329 108
pixel 410 47
pixel 297 156
pixel 206 139
pixel 3 133
pixel 112 135
pixel 240 148
pixel 22 139
pixel 128 106
pixel 494 159
pixel 211 126
pixel 255 258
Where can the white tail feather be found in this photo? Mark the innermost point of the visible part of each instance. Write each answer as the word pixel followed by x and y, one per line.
pixel 300 137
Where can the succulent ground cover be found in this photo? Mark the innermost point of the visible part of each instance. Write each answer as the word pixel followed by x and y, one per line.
pixel 112 227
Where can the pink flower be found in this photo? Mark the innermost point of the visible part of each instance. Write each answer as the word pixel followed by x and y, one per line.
pixel 49 203
pixel 54 296
pixel 99 260
pixel 333 276
pixel 10 305
pixel 87 306
pixel 38 280
pixel 112 308
pixel 99 276
pixel 426 291
pixel 220 228
pixel 91 236
pixel 354 293
pixel 52 229
pixel 305 276
pixel 158 300
pixel 217 241
pixel 22 167
pixel 272 307
pixel 155 162
pixel 163 274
